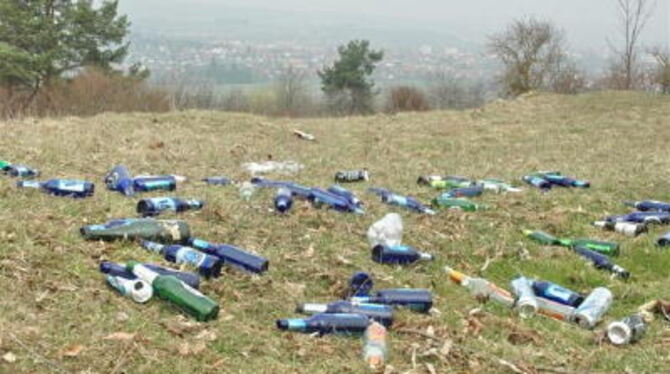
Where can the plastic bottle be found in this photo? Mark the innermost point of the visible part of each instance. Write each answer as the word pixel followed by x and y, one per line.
pixel 208 266
pixel 21 171
pixel 177 292
pixel 649 205
pixel 378 312
pixel 247 190
pixel 608 248
pixel 375 348
pixel 626 228
pixel 386 231
pixel 481 288
pixel 217 181
pixel 541 237
pixel 119 179
pixel 664 240
pixel 600 261
pixel 339 323
pixel 444 201
pixel 346 194
pixel 464 192
pixel 416 299
pixel 596 304
pixel 157 205
pixel 61 187
pixel 155 183
pixel 398 254
pixel 137 289
pixel 232 255
pixel 629 330
pixel 526 302
pixel 537 182
pixel 283 200
pixel 642 217
pixel 557 293
pixel 119 270
pixel 174 231
pixel 352 176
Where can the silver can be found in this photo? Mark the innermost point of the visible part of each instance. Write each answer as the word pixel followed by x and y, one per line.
pixel 526 302
pixel 137 289
pixel 352 175
pixel 626 331
pixel 593 307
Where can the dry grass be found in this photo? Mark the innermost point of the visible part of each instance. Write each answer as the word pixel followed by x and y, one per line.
pixel 53 302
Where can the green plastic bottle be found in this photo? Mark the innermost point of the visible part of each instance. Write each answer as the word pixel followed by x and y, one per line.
pixel 170 288
pixel 456 203
pixel 171 231
pixel 542 237
pixel 606 248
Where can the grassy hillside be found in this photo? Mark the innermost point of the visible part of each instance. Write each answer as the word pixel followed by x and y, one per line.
pixel 57 313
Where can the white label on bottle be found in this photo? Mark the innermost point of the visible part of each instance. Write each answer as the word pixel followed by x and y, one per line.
pixel 145 273
pixel 73 186
pixel 190 256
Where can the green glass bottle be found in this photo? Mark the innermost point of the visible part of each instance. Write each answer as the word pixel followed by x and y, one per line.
pixel 4 165
pixel 600 246
pixel 542 237
pixel 451 182
pixel 170 288
pixel 172 231
pixel 456 203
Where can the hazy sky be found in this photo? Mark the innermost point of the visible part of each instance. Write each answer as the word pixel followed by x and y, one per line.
pixel 587 22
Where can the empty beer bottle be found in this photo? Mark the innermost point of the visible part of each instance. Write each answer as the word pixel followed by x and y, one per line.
pixel 173 231
pixel 177 292
pixel 536 181
pixel 4 165
pixel 338 323
pixel 497 185
pixel 232 255
pixel 464 192
pixel 541 237
pixel 378 312
pixel 465 205
pixel 558 179
pixel 283 200
pixel 320 197
pixel 626 228
pixel 217 181
pixel 61 187
pixel 21 171
pixel 398 254
pixel 343 192
pixel 649 205
pixel 352 175
pixel 451 181
pixel 156 205
pixel 208 266
pixel 119 270
pixel 119 179
pixel 155 183
pixel 407 202
pixel 416 299
pixel 600 261
pixel 607 248
pixel 559 294
pixel 642 217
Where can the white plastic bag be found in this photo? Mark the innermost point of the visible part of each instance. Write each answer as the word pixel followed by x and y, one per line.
pixel 386 231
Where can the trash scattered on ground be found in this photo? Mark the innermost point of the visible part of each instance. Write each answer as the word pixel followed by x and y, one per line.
pixel 4 165
pixel 177 178
pixel 348 176
pixel 120 270
pixel 659 218
pixel 277 167
pixel 232 255
pixel 464 192
pixel 415 299
pixel 648 205
pixel 629 330
pixel 497 186
pixel 380 313
pixel 360 284
pixel 604 247
pixel 336 198
pixel 304 135
pixel 406 202
pixel 386 231
pixel 283 200
pixel 21 171
pixel 375 348
pixel 218 181
pixel 345 194
pixel 171 231
pixel 119 179
pixel 545 180
pixel 155 183
pixel 481 288
pixel 61 187
pixel 136 289
pixel 626 228
pixel 323 323
pixel 445 201
pixel 594 306
pixel 207 265
pixel 398 254
pixel 157 205
pixel 664 240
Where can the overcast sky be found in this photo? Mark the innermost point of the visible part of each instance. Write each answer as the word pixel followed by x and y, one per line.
pixel 587 22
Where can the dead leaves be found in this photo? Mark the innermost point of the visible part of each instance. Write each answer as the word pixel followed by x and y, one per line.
pixel 120 336
pixel 72 351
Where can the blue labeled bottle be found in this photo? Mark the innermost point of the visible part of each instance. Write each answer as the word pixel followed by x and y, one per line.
pixel 119 179
pixel 61 187
pixel 398 254
pixel 208 266
pixel 378 312
pixel 649 205
pixel 21 171
pixel 156 205
pixel 464 192
pixel 162 183
pixel 564 181
pixel 416 299
pixel 217 181
pixel 601 261
pixel 536 181
pixel 360 284
pixel 343 192
pixel 324 323
pixel 642 217
pixel 119 270
pixel 407 202
pixel 556 293
pixel 232 255
pixel 283 200
pixel 321 197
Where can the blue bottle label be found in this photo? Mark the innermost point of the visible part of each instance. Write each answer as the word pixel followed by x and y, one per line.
pixel 297 324
pixel 401 248
pixel 71 186
pixel 157 184
pixel 190 256
pixel 558 293
pixel 164 203
pixel 97 227
pixel 397 199
pixel 197 243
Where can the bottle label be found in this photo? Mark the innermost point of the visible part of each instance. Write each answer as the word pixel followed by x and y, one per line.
pixel 190 256
pixel 145 273
pixel 201 244
pixel 71 186
pixel 164 203
pixel 559 293
pixel 157 184
pixel 30 184
pixel 401 248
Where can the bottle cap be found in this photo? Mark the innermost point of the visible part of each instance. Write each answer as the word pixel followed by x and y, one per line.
pixel 619 333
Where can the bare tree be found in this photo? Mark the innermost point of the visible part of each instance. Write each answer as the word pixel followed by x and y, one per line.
pixel 530 50
pixel 633 17
pixel 662 74
pixel 290 90
pixel 449 92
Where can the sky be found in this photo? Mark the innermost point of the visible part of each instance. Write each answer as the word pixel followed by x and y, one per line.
pixel 587 23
